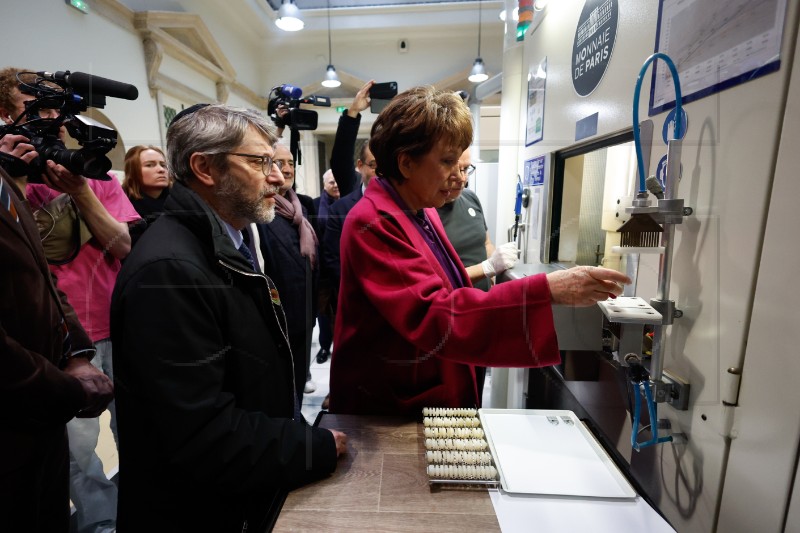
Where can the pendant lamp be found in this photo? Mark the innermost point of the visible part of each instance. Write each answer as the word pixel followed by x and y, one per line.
pixel 289 18
pixel 478 73
pixel 331 78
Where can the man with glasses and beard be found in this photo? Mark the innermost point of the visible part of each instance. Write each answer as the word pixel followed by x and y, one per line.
pixel 209 425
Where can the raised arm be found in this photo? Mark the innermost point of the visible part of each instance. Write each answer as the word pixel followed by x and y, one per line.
pixel 343 163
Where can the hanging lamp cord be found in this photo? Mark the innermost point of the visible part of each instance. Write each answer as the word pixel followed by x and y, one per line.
pixel 330 55
pixel 479 28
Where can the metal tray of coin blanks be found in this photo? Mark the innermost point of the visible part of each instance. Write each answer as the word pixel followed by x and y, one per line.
pixel 550 452
pixel 452 421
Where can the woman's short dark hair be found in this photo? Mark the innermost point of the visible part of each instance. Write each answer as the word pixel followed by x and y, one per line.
pixel 413 122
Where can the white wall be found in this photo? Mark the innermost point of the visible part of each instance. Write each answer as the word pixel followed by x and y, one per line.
pixel 761 467
pixel 47 35
pixel 728 159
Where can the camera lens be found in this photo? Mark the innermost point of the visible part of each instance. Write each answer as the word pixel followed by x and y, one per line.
pixel 71 159
pixel 97 167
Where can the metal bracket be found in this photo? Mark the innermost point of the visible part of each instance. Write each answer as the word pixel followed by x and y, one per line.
pixel 666 308
pixel 675 391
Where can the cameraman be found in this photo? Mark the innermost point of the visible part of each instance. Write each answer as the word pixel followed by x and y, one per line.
pixel 88 279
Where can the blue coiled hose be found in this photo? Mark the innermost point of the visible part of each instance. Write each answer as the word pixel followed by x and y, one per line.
pixel 678 110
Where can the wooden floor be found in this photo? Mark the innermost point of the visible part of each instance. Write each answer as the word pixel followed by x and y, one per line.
pixel 381 485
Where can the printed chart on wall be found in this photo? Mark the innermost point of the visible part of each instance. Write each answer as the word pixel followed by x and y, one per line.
pixel 534 173
pixel 536 84
pixel 715 44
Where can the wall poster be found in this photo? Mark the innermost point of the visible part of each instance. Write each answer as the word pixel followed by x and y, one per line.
pixel 534 132
pixel 715 44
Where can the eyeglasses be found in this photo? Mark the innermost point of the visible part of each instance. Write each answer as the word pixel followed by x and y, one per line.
pixel 283 163
pixel 265 162
pixel 372 164
pixel 467 170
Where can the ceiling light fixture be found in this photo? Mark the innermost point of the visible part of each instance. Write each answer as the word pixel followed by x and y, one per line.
pixel 478 73
pixel 331 78
pixel 289 18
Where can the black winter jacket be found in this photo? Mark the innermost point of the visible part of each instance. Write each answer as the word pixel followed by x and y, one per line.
pixel 203 379
pixel 343 156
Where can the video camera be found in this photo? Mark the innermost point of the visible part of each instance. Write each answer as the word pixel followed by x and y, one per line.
pixel 70 93
pixel 289 97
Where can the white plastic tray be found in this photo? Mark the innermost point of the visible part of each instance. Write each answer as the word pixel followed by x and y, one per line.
pixel 550 452
pixel 630 310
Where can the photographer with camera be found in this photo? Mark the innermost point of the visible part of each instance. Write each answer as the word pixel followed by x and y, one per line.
pixel 84 228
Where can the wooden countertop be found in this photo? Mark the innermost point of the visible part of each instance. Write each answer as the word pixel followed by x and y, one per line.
pixel 381 485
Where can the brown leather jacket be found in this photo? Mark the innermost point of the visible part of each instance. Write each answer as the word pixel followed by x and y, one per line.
pixel 33 391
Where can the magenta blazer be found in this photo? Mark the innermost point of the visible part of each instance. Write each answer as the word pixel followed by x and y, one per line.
pixel 404 338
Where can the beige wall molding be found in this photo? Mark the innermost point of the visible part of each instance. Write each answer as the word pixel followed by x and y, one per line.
pixel 248 94
pixel 153 55
pixel 183 36
pixel 114 11
pixel 186 38
pixel 223 91
pixel 179 90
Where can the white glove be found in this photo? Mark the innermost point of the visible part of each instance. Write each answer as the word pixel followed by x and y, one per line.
pixel 503 258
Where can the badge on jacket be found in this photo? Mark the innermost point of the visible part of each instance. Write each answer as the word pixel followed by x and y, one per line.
pixel 274 296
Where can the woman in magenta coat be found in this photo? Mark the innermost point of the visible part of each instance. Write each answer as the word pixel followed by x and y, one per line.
pixel 410 327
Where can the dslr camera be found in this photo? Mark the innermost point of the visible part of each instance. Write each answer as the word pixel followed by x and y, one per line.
pixel 70 93
pixel 289 97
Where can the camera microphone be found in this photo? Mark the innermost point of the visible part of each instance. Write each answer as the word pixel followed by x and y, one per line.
pixel 290 91
pixel 82 82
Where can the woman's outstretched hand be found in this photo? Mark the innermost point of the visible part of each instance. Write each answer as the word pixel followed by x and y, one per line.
pixel 585 285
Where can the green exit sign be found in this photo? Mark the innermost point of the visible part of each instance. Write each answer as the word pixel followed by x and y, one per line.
pixel 341 108
pixel 80 5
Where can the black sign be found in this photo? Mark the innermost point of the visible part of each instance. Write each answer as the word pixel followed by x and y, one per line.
pixel 594 43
